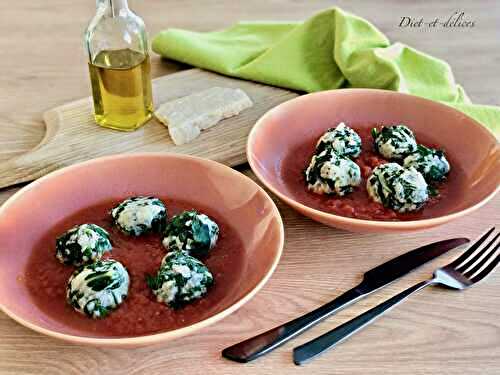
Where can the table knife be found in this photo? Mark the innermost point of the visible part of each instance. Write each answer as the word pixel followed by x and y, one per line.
pixel 373 280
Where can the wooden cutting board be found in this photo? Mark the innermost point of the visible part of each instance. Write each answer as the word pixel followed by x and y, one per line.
pixel 72 135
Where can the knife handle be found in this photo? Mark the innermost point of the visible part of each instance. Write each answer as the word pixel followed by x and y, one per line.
pixel 313 348
pixel 256 346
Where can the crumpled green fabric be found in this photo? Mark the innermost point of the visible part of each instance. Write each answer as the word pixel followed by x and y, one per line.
pixel 332 49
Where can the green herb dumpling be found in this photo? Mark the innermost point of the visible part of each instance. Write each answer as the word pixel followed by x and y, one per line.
pixel 181 279
pixel 140 215
pixel 98 288
pixel 402 189
pixel 191 231
pixel 394 142
pixel 330 173
pixel 430 162
pixel 82 244
pixel 342 139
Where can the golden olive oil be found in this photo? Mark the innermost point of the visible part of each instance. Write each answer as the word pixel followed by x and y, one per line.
pixel 121 89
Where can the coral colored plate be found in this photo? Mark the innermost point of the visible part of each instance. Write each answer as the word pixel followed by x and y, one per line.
pixel 29 213
pixel 472 149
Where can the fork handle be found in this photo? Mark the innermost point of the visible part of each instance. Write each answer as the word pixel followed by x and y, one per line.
pixel 311 349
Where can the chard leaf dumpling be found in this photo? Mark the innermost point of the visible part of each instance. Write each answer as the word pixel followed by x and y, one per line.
pixel 430 162
pixel 394 142
pixel 191 231
pixel 341 139
pixel 181 279
pixel 330 173
pixel 82 244
pixel 402 189
pixel 140 215
pixel 98 288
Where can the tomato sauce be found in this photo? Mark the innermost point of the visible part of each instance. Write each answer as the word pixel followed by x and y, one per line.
pixel 358 204
pixel 140 314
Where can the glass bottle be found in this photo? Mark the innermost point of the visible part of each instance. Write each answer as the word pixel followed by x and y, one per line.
pixel 120 70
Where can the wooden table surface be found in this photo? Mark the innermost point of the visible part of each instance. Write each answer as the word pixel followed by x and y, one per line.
pixel 435 332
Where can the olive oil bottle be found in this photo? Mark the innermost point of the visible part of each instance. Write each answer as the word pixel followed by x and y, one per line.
pixel 119 66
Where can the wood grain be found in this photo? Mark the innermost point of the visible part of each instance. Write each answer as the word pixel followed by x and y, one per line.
pixel 72 135
pixel 435 332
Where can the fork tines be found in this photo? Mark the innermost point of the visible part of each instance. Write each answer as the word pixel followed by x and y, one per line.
pixel 477 261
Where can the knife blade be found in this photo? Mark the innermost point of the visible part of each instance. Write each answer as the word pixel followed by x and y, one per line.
pixel 373 280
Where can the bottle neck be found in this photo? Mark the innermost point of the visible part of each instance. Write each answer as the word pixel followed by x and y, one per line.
pixel 113 6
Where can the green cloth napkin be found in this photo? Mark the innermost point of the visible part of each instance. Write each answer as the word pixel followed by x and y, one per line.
pixel 332 49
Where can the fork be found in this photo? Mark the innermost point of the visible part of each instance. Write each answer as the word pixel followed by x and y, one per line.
pixel 468 269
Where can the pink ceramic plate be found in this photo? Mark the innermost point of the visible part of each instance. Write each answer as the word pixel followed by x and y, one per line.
pixel 281 134
pixel 27 215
